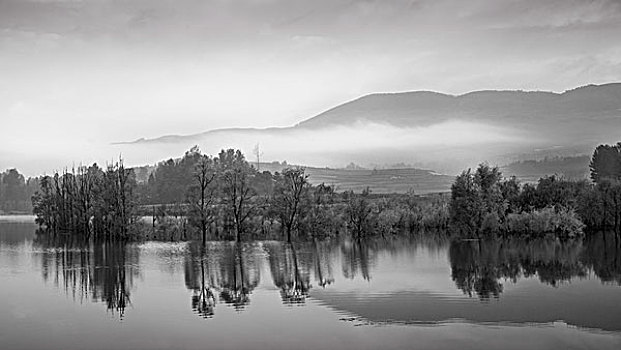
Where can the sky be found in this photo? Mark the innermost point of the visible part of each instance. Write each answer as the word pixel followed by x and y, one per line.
pixel 85 73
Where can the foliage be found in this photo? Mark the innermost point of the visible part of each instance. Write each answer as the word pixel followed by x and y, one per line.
pixel 15 191
pixel 480 198
pixel 359 213
pixel 606 163
pixel 226 197
pixel 89 201
pixel 483 203
pixel 560 222
pixel 291 186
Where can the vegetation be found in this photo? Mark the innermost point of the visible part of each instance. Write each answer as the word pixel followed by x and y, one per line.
pixel 15 192
pixel 225 197
pixel 484 203
pixel 222 197
pixel 90 201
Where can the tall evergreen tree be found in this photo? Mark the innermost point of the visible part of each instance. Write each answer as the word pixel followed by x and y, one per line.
pixel 606 163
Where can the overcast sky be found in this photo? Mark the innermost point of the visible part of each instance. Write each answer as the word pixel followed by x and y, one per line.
pixel 85 72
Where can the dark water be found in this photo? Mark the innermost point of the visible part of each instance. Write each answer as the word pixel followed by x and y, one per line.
pixel 388 294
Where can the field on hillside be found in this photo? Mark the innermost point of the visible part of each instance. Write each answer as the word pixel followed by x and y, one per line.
pixel 382 180
pixel 575 168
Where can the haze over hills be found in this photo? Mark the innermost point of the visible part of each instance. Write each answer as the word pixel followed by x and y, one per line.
pixel 428 129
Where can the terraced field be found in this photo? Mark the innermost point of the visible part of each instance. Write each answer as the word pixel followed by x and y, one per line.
pixel 382 180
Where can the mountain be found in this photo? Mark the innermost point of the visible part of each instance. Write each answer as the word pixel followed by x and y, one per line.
pixel 528 109
pixel 430 129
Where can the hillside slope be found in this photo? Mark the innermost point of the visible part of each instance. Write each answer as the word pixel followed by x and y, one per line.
pixel 431 130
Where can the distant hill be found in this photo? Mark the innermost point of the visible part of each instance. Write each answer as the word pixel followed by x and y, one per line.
pixel 428 129
pixel 593 107
pixel 589 105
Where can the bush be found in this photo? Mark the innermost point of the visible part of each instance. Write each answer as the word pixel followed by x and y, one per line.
pixel 561 222
pixel 389 221
pixel 491 224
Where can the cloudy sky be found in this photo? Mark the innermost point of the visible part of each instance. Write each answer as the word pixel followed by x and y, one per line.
pixel 79 73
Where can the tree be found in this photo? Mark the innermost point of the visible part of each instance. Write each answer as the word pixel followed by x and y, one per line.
pixel 606 163
pixel 13 190
pixel 465 203
pixel 488 180
pixel 291 185
pixel 87 201
pixel 234 177
pixel 322 215
pixel 171 179
pixel 43 204
pixel 201 194
pixel 359 210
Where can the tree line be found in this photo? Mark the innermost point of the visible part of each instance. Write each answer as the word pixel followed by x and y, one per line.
pixel 91 201
pixel 16 191
pixel 205 197
pixel 226 197
pixel 483 203
pixel 220 197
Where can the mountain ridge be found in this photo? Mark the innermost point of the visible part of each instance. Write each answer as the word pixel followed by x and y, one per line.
pixel 424 108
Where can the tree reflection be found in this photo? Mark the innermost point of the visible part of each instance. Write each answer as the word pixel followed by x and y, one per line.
pixel 290 273
pixel 603 255
pixel 221 270
pixel 239 275
pixel 476 270
pixel 478 267
pixel 358 255
pixel 199 278
pixel 323 263
pixel 101 271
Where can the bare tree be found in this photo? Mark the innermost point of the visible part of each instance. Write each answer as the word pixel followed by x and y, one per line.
pixel 291 185
pixel 202 193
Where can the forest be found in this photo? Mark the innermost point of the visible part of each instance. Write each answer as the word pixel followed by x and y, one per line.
pixel 205 197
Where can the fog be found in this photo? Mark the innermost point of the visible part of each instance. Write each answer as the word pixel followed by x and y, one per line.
pixel 446 147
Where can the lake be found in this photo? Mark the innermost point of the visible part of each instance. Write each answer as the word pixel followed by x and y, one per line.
pixel 61 293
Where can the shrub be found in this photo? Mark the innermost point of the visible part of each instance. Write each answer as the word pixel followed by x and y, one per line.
pixel 560 221
pixel 389 221
pixel 491 224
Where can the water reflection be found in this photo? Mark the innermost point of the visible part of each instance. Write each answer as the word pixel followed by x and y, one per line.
pixel 323 256
pixel 479 267
pixel 289 273
pixel 358 255
pixel 603 254
pixel 239 274
pixel 421 280
pixel 223 271
pixel 100 271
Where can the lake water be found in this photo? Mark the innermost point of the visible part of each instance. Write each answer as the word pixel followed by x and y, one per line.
pixel 380 294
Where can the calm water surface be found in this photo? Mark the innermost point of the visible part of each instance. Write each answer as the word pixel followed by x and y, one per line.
pixel 389 294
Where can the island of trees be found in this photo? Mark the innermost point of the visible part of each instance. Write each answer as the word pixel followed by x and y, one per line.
pixel 205 197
